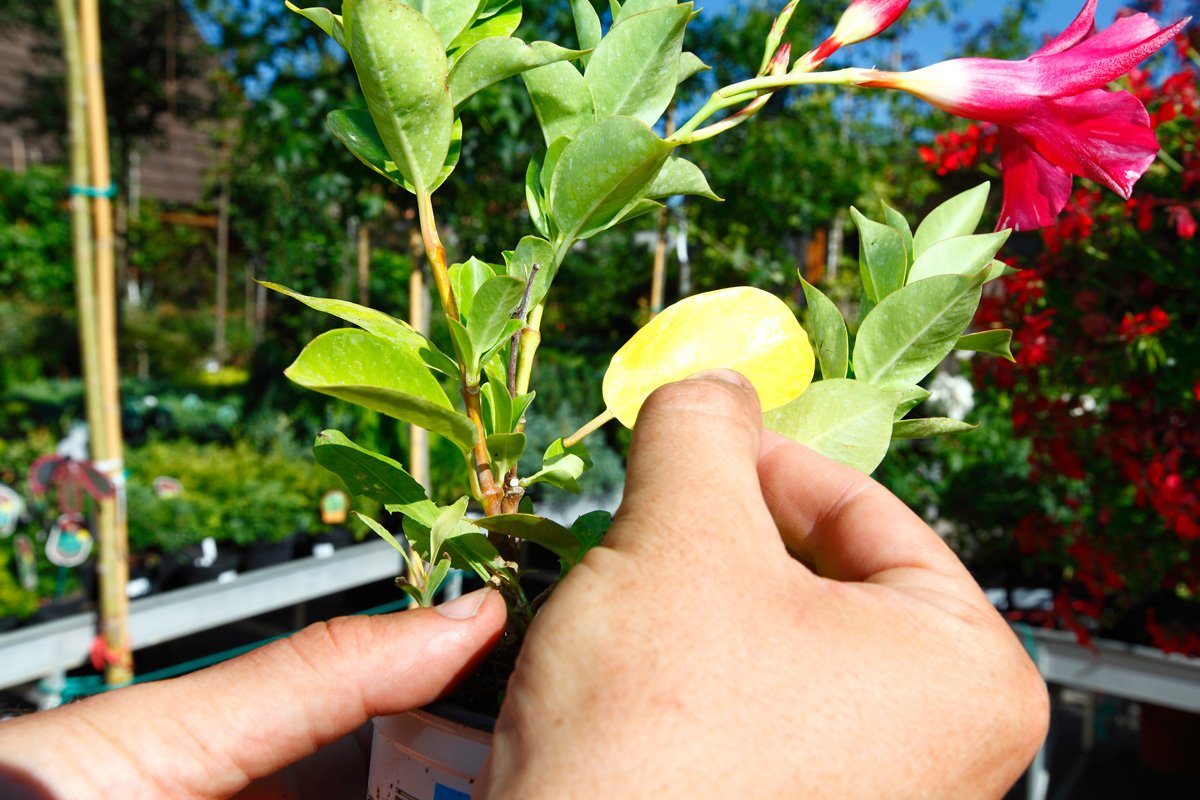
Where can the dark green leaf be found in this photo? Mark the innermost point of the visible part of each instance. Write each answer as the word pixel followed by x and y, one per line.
pixel 827 329
pixel 373 475
pixel 533 250
pixel 493 307
pixel 589 529
pixel 539 530
pixel 505 449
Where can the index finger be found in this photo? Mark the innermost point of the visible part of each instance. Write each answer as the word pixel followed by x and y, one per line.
pixel 843 524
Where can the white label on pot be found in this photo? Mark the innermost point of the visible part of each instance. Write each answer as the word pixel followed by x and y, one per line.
pixel 138 587
pixel 322 550
pixel 227 576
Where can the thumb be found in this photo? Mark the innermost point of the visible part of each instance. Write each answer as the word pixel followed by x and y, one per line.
pixel 692 475
pixel 210 733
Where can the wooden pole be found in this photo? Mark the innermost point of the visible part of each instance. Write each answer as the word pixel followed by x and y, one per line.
pixel 364 263
pixel 107 445
pixel 658 279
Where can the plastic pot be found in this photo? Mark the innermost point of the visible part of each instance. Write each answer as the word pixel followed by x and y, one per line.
pixel 432 754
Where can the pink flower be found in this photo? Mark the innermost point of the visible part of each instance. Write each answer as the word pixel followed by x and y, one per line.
pixel 1055 118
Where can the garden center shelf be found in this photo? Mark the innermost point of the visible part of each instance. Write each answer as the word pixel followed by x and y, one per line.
pixel 32 653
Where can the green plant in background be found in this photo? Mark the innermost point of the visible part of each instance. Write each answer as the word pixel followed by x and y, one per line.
pixel 602 164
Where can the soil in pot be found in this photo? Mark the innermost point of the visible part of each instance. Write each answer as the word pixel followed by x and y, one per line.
pixel 257 555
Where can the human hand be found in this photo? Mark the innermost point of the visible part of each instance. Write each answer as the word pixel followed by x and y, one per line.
pixel 692 656
pixel 217 732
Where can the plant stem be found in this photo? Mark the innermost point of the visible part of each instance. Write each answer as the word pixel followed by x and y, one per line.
pixel 491 493
pixel 591 427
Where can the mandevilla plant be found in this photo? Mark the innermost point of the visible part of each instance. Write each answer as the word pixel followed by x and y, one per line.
pixel 603 163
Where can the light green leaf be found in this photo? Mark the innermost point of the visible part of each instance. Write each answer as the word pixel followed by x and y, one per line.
pixel 911 396
pixel 587 25
pixel 535 198
pixel 533 250
pixel 846 420
pixel 932 426
pixel 994 342
pixel 325 19
pixel 881 257
pixel 958 255
pixel 493 60
pixel 465 280
pixel 354 128
pixel 640 7
pixel 364 369
pixel 386 535
pixel 511 328
pixel 532 528
pixel 998 269
pixel 680 176
pixel 504 450
pixel 912 330
pixel 602 171
pixel 495 20
pixel 550 164
pixel 689 65
pixel 561 99
pixel 467 353
pixel 562 466
pixel 899 224
pixel 492 310
pixel 437 576
pixel 450 18
pixel 396 331
pixel 373 475
pixel 402 69
pixel 445 526
pixel 827 329
pixel 635 68
pixel 468 548
pixel 958 216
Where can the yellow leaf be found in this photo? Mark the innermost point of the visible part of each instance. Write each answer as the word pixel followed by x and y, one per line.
pixel 743 329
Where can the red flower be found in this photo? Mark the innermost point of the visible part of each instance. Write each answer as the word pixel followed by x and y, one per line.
pixel 1185 223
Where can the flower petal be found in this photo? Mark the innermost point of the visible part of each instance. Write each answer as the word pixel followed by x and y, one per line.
pixel 1035 190
pixel 1103 58
pixel 1103 136
pixel 1075 33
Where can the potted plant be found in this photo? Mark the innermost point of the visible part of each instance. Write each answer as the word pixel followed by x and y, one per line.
pixel 603 163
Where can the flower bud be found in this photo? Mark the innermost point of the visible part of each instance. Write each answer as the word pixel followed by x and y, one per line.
pixel 867 18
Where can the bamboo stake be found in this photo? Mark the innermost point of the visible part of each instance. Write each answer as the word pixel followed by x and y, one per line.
pixel 107 446
pixel 418 438
pixel 659 276
pixel 364 263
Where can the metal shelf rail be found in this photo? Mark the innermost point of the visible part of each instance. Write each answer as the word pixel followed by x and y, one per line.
pixel 29 654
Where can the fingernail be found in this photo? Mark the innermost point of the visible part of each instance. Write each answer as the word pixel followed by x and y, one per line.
pixel 723 375
pixel 465 606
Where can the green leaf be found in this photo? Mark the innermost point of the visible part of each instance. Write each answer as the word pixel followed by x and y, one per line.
pixel 561 100
pixel 386 535
pixel 468 548
pixel 493 60
pixel 562 466
pixel 994 342
pixel 445 526
pixel 355 129
pixel 492 310
pixel 899 224
pixel 912 330
pixel 958 255
pixel 533 250
pixel 602 171
pixel 497 406
pixel 587 25
pixel 465 348
pixel 361 368
pixel 450 18
pixel 436 576
pixel 465 280
pixel 998 269
pixel 911 396
pixel 402 69
pixel 932 426
pixel 386 327
pixel 535 198
pixel 520 405
pixel 511 328
pixel 827 329
pixel 634 70
pixel 553 154
pixel 532 528
pixel 504 450
pixel 881 257
pixel 846 420
pixel 689 65
pixel 325 19
pixel 640 7
pixel 680 176
pixel 589 529
pixel 501 20
pixel 373 475
pixel 958 216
